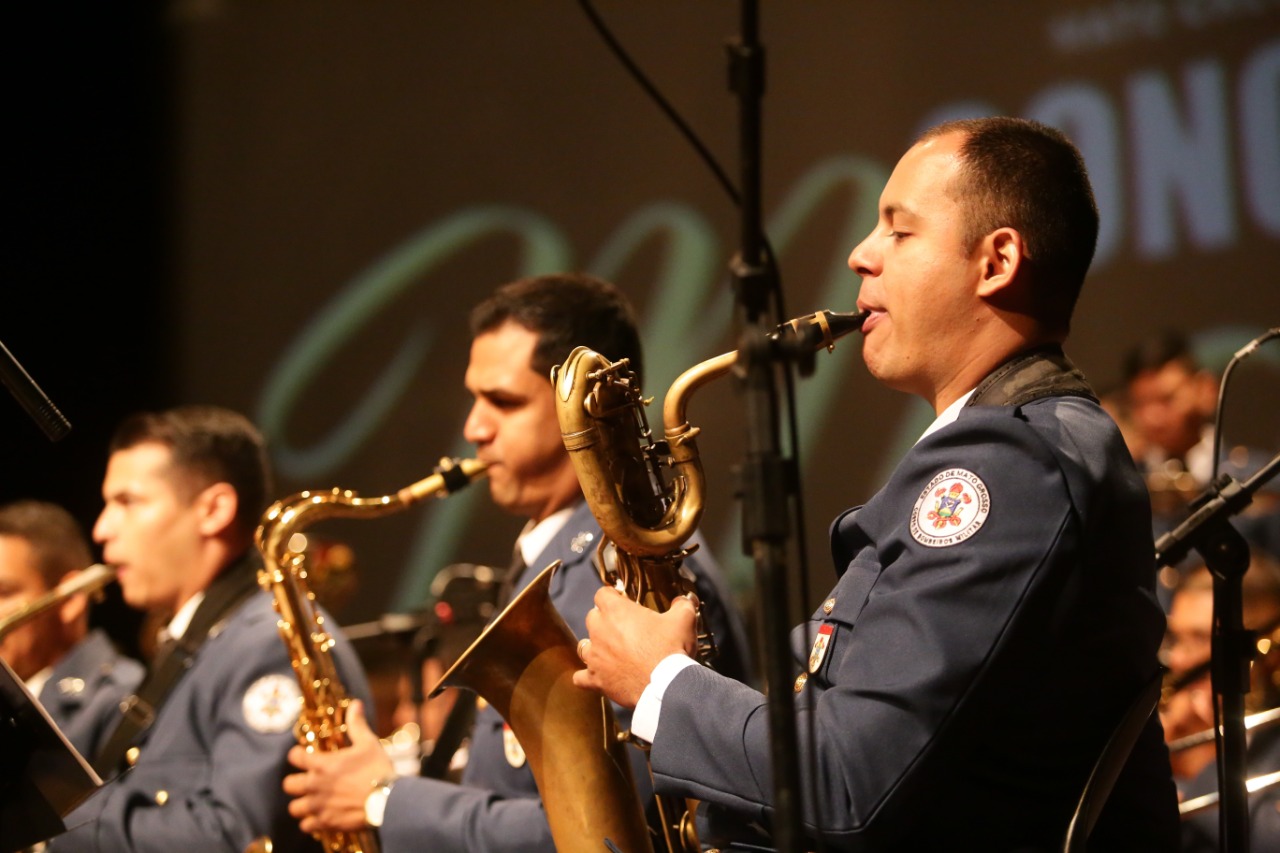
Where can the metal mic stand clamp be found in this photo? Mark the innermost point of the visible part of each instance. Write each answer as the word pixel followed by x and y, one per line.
pixel 1226 554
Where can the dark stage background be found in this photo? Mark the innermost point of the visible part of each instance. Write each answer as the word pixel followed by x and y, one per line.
pixel 288 208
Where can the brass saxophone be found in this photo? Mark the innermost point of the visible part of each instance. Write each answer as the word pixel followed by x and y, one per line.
pixel 647 494
pixel 321 725
pixel 89 581
pixel 523 665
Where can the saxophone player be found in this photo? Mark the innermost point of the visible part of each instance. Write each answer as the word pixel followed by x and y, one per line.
pixel 518 334
pixel 200 747
pixel 76 673
pixel 995 612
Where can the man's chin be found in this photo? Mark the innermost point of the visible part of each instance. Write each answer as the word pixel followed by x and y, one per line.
pixel 135 598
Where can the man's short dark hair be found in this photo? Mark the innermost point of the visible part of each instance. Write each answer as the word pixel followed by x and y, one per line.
pixel 57 540
pixel 1025 175
pixel 1162 348
pixel 565 310
pixel 209 445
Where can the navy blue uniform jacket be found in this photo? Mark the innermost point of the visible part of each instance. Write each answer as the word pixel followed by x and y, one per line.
pixel 84 692
pixel 211 765
pixel 496 808
pixel 993 618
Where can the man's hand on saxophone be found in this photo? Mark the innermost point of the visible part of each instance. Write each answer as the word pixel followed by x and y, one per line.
pixel 333 788
pixel 627 641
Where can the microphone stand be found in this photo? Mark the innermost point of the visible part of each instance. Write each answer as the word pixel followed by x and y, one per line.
pixel 765 479
pixel 1226 553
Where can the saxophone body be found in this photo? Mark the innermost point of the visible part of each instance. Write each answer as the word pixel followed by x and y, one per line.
pixel 321 725
pixel 88 582
pixel 647 493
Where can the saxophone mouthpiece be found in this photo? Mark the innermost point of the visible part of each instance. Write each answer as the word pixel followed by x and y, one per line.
pixel 820 329
pixel 449 476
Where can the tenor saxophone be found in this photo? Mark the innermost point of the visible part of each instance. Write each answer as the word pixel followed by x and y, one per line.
pixel 321 725
pixel 647 494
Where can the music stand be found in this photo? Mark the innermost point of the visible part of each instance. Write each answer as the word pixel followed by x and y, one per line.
pixel 42 777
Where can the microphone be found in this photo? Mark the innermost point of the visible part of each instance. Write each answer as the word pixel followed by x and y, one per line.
pixel 28 393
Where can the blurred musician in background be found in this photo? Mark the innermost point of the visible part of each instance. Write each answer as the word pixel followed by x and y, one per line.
pixel 201 746
pixel 1172 400
pixel 1187 707
pixel 77 674
pixel 518 334
pixel 995 616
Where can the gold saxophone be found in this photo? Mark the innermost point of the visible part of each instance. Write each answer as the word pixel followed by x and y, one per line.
pixel 89 581
pixel 321 725
pixel 648 495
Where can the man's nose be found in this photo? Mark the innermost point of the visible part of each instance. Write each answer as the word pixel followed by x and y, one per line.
pixel 101 527
pixel 860 259
pixel 478 428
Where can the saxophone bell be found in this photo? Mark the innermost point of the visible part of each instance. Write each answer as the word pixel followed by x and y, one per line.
pixel 522 664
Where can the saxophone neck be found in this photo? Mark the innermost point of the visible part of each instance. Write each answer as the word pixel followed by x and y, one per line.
pixel 88 581
pixel 803 335
pixel 295 513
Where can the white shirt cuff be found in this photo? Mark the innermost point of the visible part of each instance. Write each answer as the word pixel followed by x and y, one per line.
pixel 644 721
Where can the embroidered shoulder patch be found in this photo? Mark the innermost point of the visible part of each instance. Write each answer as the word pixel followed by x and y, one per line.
pixel 511 747
pixel 272 704
pixel 951 509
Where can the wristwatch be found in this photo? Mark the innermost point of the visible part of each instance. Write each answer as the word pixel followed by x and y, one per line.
pixel 375 805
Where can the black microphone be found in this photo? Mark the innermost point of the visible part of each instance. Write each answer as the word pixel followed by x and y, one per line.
pixel 28 393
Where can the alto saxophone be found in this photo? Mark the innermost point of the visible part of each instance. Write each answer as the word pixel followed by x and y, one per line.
pixel 647 494
pixel 89 581
pixel 321 725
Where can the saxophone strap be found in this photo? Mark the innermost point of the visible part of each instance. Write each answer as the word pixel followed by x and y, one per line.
pixel 457 726
pixel 1041 372
pixel 222 597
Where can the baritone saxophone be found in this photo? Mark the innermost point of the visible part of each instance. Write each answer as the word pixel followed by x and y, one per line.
pixel 648 495
pixel 321 725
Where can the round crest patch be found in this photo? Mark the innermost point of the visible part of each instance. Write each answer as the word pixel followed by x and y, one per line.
pixel 272 704
pixel 511 747
pixel 952 508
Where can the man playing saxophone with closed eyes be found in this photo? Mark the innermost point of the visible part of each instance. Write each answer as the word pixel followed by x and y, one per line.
pixel 994 615
pixel 519 333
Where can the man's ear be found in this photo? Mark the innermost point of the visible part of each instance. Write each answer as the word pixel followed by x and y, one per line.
pixel 1001 254
pixel 217 505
